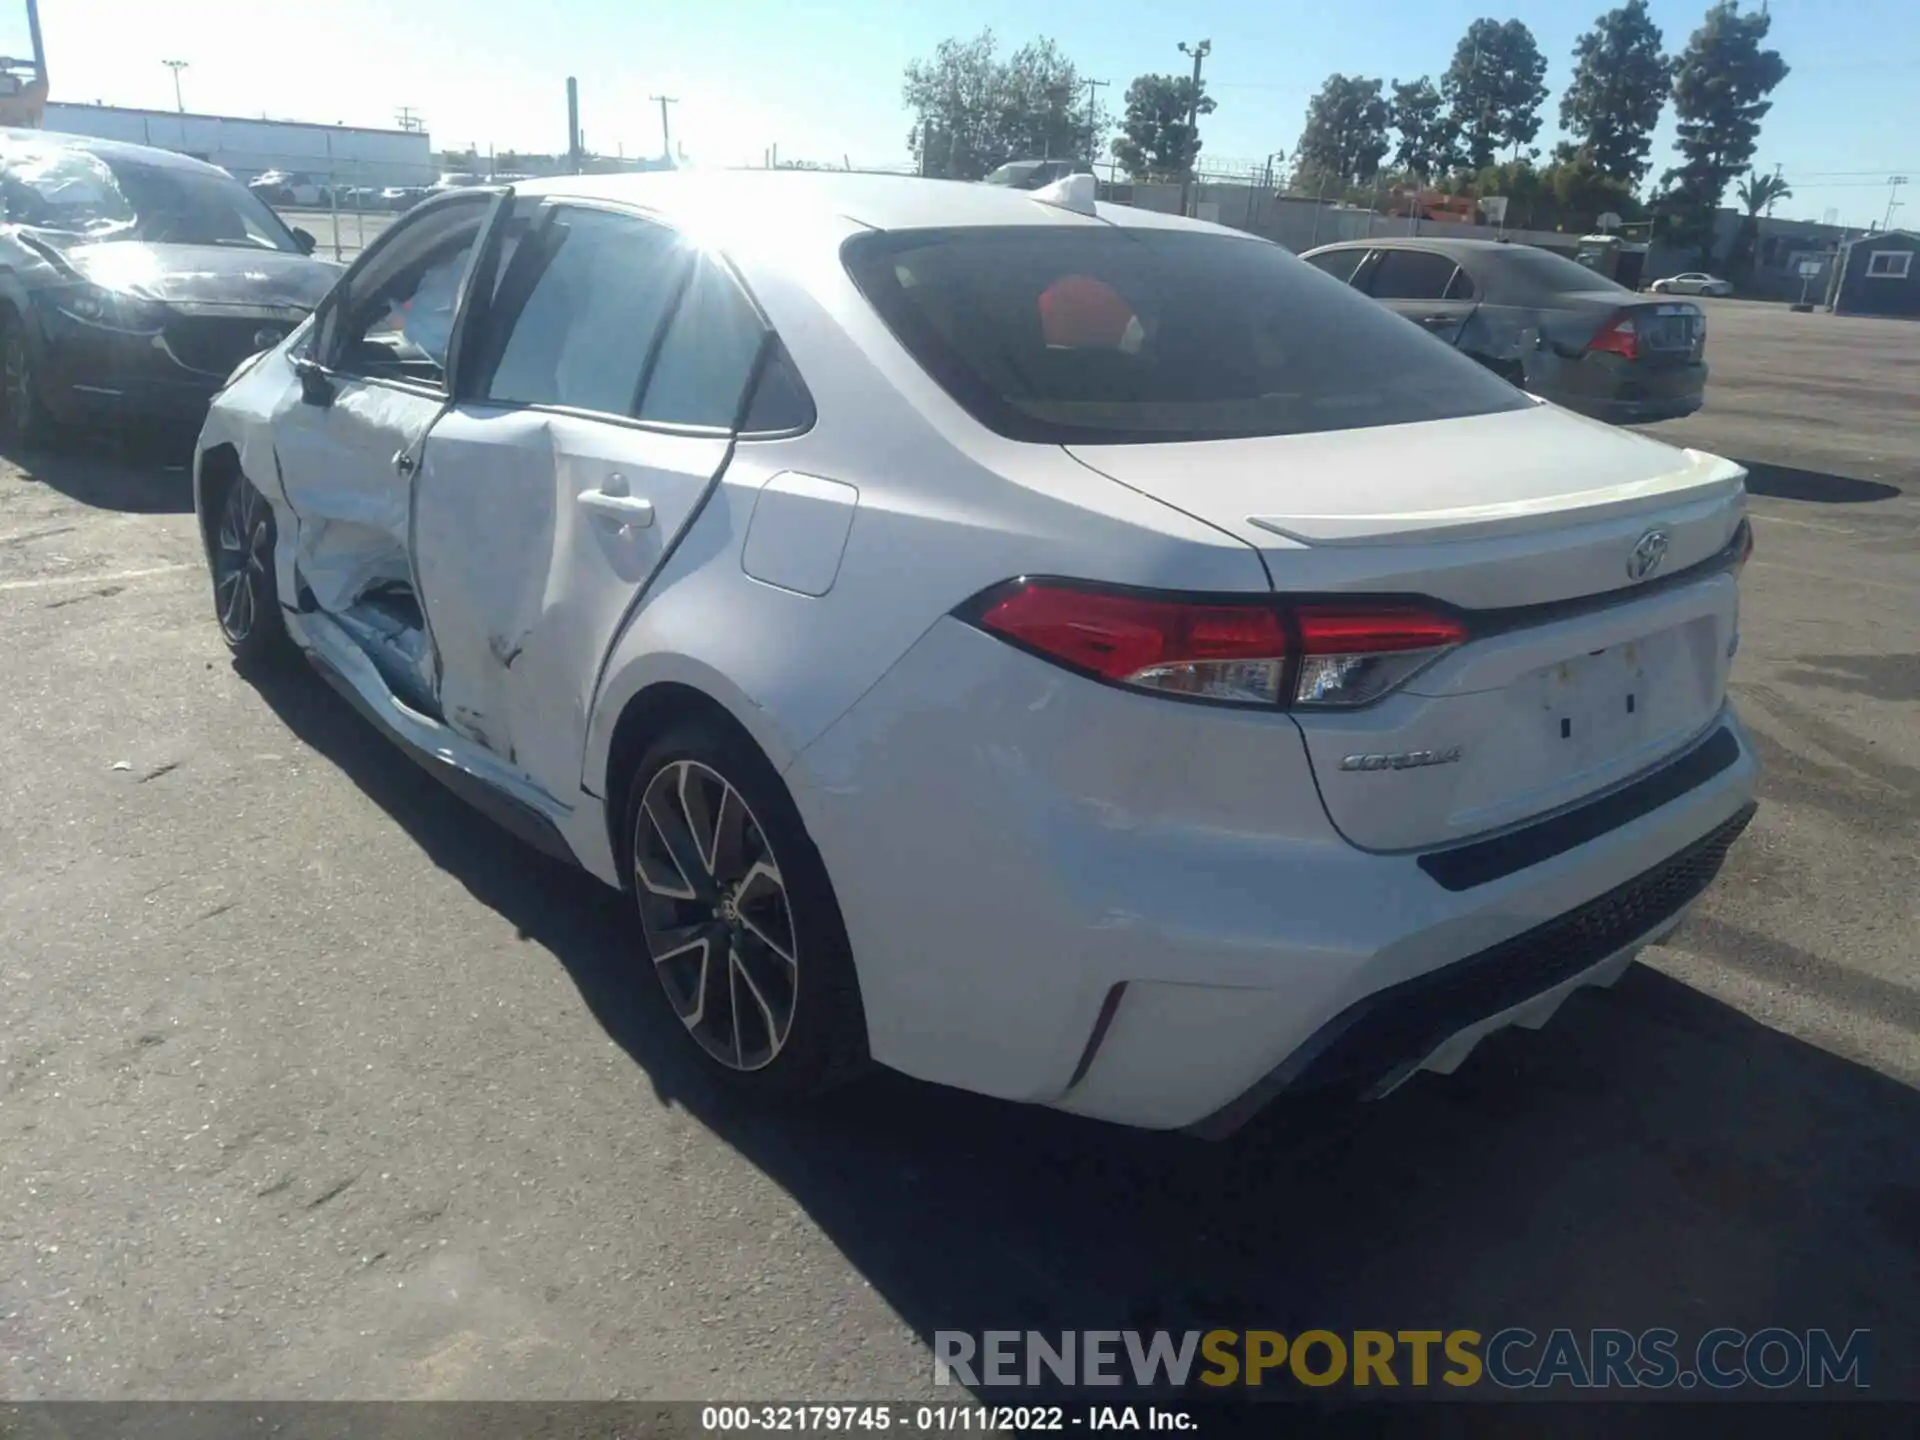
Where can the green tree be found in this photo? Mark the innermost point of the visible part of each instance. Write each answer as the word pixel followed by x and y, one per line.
pixel 1155 140
pixel 1429 139
pixel 1619 86
pixel 1345 136
pixel 1582 192
pixel 1494 88
pixel 1756 193
pixel 1720 89
pixel 973 110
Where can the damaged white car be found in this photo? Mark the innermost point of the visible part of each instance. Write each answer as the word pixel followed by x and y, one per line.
pixel 999 635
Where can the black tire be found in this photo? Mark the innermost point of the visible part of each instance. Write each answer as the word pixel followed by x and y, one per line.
pixel 24 419
pixel 246 602
pixel 727 924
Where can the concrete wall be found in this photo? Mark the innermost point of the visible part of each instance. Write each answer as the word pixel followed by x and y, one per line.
pixel 249 147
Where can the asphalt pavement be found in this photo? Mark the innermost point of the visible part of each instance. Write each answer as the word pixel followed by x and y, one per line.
pixel 314 1085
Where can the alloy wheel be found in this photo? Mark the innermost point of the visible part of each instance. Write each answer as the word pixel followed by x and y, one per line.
pixel 715 911
pixel 243 555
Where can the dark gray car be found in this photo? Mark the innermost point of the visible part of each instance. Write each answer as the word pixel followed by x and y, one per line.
pixel 1550 326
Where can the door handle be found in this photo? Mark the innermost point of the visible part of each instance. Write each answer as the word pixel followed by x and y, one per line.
pixel 627 509
pixel 1439 322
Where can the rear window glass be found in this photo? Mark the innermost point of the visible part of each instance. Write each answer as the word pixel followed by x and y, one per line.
pixel 1543 270
pixel 1112 335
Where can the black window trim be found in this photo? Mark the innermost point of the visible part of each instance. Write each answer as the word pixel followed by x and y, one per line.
pixel 549 207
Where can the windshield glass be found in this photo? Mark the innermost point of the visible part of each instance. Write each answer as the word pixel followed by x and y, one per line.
pixel 77 192
pixel 1093 334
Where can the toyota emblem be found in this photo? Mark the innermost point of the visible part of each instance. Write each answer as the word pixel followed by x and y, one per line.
pixel 267 336
pixel 1647 553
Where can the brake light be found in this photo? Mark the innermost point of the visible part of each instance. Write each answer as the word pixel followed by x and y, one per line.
pixel 1253 652
pixel 1205 650
pixel 1619 338
pixel 1353 657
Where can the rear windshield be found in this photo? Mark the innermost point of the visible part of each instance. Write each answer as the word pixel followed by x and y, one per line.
pixel 1542 270
pixel 1113 335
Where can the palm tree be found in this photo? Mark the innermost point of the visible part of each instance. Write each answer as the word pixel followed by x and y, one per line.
pixel 1757 192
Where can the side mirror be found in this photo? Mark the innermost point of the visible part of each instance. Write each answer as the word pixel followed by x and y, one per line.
pixel 304 239
pixel 315 388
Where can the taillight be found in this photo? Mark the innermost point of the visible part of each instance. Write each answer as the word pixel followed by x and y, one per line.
pixel 1743 544
pixel 1204 650
pixel 1618 338
pixel 1252 652
pixel 1353 657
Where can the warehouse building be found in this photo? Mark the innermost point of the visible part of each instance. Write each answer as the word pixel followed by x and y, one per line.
pixel 337 154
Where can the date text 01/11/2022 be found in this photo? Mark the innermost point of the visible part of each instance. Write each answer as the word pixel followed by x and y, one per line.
pixel 937 1419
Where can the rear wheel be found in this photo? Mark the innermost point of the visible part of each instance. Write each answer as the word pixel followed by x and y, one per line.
pixel 245 599
pixel 738 920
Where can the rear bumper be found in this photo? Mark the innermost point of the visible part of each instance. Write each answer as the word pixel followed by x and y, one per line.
pixel 1621 392
pixel 1139 911
pixel 1379 1040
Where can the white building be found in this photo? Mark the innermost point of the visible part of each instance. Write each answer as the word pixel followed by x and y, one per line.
pixel 344 154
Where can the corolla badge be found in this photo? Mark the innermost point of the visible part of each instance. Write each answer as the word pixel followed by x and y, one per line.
pixel 1647 553
pixel 1404 760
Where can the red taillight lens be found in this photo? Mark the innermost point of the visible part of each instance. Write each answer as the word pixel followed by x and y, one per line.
pixel 1353 657
pixel 1618 338
pixel 1213 651
pixel 1743 540
pixel 1235 651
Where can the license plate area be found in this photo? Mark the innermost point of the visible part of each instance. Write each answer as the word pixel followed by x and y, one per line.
pixel 1591 708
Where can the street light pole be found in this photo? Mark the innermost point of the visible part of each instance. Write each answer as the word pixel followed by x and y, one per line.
pixel 666 135
pixel 176 66
pixel 1199 53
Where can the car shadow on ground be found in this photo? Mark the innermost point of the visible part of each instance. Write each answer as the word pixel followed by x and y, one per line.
pixel 1653 1158
pixel 1820 487
pixel 136 472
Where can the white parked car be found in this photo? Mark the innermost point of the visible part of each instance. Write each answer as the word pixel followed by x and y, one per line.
pixel 1692 283
pixel 289 187
pixel 1071 653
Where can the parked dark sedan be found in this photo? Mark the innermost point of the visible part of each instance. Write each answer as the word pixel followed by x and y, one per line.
pixel 1554 328
pixel 132 283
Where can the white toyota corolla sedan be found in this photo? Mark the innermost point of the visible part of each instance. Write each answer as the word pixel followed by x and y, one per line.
pixel 1071 653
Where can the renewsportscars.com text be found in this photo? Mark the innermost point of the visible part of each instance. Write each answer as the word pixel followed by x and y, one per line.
pixel 1514 1358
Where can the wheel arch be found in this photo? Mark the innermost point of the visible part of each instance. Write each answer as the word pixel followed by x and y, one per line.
pixel 215 468
pixel 672 694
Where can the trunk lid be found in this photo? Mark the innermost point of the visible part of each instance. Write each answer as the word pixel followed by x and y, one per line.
pixel 1586 666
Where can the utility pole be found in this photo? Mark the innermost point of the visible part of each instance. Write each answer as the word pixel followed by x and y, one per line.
pixel 176 66
pixel 666 135
pixel 1092 85
pixel 1893 199
pixel 573 126
pixel 1199 53
pixel 408 119
pixel 1776 176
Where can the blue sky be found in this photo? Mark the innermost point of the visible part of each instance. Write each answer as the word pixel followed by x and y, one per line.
pixel 823 81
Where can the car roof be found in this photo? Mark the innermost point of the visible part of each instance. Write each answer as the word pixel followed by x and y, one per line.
pixel 110 149
pixel 747 200
pixel 1458 248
